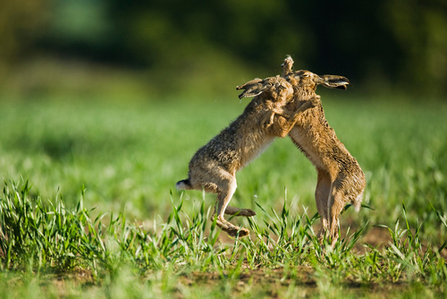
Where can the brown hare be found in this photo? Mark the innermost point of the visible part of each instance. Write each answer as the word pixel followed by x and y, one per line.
pixel 213 167
pixel 340 178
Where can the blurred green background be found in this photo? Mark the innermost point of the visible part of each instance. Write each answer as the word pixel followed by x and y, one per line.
pixel 116 96
pixel 150 50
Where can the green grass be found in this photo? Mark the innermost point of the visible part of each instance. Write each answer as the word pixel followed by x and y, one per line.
pixel 89 209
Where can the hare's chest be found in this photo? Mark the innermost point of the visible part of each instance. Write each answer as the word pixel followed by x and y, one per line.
pixel 308 143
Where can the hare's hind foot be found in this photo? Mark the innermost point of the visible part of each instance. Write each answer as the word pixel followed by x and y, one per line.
pixel 239 212
pixel 232 230
pixel 322 235
pixel 325 235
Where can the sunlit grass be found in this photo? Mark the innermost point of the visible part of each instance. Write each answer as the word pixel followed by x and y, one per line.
pixel 89 198
pixel 47 238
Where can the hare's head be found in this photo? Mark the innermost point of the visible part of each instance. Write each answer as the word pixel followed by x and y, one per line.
pixel 311 80
pixel 275 87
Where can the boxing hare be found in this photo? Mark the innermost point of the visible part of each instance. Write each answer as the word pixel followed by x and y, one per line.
pixel 340 178
pixel 213 167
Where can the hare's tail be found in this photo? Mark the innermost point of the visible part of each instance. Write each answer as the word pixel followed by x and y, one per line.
pixel 184 185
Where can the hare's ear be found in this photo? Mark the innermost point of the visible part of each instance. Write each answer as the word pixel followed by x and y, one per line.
pixel 252 88
pixel 333 81
pixel 287 66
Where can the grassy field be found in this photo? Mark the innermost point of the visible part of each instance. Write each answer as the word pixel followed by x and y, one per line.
pixel 89 208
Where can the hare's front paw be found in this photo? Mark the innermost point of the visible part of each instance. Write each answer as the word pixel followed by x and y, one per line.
pixel 267 119
pixel 315 100
pixel 311 103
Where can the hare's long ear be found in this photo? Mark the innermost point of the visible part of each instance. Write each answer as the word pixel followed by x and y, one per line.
pixel 252 88
pixel 333 81
pixel 287 66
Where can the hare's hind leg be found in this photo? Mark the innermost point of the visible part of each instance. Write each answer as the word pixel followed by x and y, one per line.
pixel 224 195
pixel 336 205
pixel 239 212
pixel 322 194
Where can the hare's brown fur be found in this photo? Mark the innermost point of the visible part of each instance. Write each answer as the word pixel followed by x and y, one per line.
pixel 340 178
pixel 213 167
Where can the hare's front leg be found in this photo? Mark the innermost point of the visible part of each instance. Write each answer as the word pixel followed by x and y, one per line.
pixel 283 124
pixel 267 119
pixel 312 102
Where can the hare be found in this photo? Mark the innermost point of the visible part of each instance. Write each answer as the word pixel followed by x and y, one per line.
pixel 213 167
pixel 340 178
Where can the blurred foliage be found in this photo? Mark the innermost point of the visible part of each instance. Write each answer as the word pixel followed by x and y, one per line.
pixel 184 46
pixel 21 23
